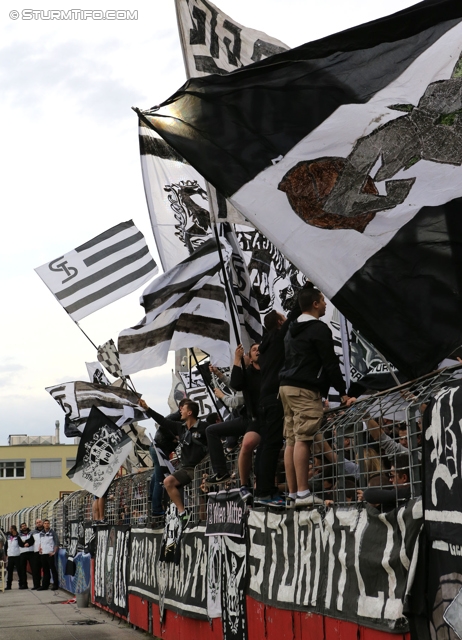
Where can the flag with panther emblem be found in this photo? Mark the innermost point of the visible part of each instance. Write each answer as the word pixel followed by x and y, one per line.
pixel 355 172
pixel 103 448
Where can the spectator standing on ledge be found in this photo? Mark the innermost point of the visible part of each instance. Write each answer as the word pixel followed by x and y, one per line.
pixel 271 412
pixel 311 367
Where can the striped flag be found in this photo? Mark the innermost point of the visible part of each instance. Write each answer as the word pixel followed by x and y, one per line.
pixel 185 307
pixel 77 398
pixel 355 169
pixel 104 269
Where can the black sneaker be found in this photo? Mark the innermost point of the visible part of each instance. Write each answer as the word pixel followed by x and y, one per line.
pixel 245 494
pixel 217 478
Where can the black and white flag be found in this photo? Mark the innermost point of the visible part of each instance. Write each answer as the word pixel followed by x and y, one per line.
pixel 185 307
pixel 76 399
pixel 233 589
pixel 96 373
pixel 104 269
pixel 180 202
pixel 102 450
pixel 443 463
pixel 109 358
pixel 355 171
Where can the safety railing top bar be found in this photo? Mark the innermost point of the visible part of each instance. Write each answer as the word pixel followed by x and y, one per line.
pixel 355 448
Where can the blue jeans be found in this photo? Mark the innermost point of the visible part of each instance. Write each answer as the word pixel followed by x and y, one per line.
pixel 156 487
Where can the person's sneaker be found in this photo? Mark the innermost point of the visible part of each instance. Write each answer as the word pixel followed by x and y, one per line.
pixel 308 501
pixel 290 503
pixel 184 520
pixel 245 494
pixel 270 501
pixel 217 478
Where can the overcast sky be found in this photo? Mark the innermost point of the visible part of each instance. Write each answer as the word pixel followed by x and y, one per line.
pixel 70 169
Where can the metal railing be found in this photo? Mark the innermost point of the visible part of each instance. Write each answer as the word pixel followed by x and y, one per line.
pixel 356 448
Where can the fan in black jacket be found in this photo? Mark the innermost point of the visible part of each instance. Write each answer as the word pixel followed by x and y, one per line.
pixel 193 448
pixel 311 367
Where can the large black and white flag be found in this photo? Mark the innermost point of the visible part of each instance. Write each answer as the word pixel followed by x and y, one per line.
pixel 185 307
pixel 346 153
pixel 180 202
pixel 76 399
pixel 102 450
pixel 104 269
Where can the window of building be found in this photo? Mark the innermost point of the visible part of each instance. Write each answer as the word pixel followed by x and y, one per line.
pixel 12 468
pixel 46 468
pixel 70 462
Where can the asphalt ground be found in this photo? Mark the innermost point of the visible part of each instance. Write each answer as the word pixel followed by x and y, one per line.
pixel 36 615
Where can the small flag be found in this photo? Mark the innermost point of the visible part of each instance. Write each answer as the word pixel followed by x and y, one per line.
pixel 102 270
pixel 96 373
pixel 109 358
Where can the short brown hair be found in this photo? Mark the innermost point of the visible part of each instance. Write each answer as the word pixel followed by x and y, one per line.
pixel 193 407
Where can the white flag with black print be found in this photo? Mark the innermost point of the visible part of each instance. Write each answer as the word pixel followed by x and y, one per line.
pixel 108 356
pixel 185 307
pixel 180 202
pixel 355 172
pixel 103 448
pixel 77 398
pixel 104 269
pixel 96 373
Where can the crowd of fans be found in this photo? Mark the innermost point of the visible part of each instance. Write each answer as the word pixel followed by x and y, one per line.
pixel 293 451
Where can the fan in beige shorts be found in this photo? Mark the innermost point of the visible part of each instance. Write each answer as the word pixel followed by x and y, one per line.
pixel 303 412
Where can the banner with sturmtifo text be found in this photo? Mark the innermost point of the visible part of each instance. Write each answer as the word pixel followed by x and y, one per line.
pixel 347 563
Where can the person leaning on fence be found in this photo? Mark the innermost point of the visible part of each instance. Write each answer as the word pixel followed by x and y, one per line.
pixel 398 491
pixel 310 368
pixel 193 449
pixel 48 549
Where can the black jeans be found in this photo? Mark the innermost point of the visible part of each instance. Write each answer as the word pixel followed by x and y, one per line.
pixel 13 561
pixel 215 433
pixel 271 419
pixel 23 558
pixel 36 568
pixel 48 564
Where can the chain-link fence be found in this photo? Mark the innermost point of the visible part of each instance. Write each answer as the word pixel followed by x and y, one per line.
pixel 375 444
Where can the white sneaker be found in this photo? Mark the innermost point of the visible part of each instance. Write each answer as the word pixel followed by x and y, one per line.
pixel 308 501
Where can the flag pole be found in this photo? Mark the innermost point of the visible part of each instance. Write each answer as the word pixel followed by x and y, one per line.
pixel 209 389
pixel 229 293
pixel 87 337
